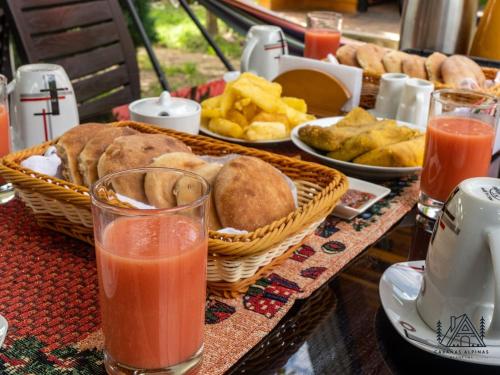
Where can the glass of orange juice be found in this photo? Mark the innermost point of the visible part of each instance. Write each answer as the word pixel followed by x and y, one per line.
pixel 458 144
pixel 322 35
pixel 151 264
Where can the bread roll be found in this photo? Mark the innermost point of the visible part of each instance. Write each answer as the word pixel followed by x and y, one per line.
pixel 250 193
pixel 433 66
pixel 134 151
pixel 347 55
pixel 187 193
pixel 159 187
pixel 369 57
pixel 456 68
pixel 393 61
pixel 414 66
pixel 69 146
pixel 89 157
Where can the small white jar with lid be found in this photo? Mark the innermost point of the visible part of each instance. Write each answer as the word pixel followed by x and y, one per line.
pixel 167 112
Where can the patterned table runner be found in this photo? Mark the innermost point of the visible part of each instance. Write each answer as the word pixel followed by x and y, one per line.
pixel 48 290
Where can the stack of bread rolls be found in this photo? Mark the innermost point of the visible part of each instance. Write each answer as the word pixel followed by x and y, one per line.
pixel 247 193
pixel 453 71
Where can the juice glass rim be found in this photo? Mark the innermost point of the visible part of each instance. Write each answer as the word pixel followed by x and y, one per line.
pixel 126 211
pixel 491 102
pixel 325 15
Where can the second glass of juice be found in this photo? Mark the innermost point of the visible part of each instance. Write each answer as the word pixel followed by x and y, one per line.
pixel 322 35
pixel 458 144
pixel 151 264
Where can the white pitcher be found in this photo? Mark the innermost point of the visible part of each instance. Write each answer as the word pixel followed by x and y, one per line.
pixel 264 46
pixel 43 104
pixel 415 102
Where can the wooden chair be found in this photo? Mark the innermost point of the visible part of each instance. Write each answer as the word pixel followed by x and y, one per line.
pixel 89 39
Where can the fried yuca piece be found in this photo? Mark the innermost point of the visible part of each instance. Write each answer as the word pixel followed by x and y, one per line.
pixel 272 117
pixel 259 130
pixel 332 138
pixel 403 154
pixel 296 103
pixel 262 98
pixel 357 117
pixel 389 133
pixel 225 127
pixel 272 88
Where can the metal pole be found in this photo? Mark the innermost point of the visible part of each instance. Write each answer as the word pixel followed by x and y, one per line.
pixel 206 35
pixel 147 44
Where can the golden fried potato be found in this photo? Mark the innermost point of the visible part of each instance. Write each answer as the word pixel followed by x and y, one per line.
pixel 225 127
pixel 227 99
pixel 212 103
pixel 272 117
pixel 296 103
pixel 295 117
pixel 262 98
pixel 250 111
pixel 258 131
pixel 237 117
pixel 242 103
pixel 211 112
pixel 272 88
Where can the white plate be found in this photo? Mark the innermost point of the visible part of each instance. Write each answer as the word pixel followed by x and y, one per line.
pixel 347 212
pixel 268 142
pixel 353 169
pixel 398 289
pixel 3 329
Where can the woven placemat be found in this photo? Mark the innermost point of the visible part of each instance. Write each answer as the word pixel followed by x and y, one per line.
pixel 48 290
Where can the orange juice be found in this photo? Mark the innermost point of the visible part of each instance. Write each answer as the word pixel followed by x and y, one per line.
pixel 152 281
pixel 319 43
pixel 4 131
pixel 456 148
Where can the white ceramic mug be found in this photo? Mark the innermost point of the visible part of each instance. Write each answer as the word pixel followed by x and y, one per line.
pixel 389 94
pixel 43 104
pixel 462 269
pixel 178 114
pixel 415 101
pixel 264 45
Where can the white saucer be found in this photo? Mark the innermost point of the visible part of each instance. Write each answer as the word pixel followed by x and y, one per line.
pixel 3 329
pixel 399 288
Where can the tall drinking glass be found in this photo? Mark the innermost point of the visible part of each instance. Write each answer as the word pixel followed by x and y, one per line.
pixel 458 144
pixel 322 34
pixel 151 264
pixel 6 190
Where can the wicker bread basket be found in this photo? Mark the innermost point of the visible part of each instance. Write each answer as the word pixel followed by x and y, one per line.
pixel 235 261
pixel 371 83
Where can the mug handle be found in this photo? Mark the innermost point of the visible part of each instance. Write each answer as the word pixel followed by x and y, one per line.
pixel 247 52
pixel 419 113
pixel 493 237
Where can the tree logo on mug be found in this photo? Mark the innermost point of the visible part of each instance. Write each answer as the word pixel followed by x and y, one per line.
pixel 461 333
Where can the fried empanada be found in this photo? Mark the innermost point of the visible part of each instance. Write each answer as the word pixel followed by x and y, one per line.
pixel 373 139
pixel 403 154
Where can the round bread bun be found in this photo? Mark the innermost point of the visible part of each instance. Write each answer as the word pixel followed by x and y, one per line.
pixel 135 151
pixel 433 66
pixel 89 157
pixel 69 146
pixel 187 193
pixel 393 61
pixel 456 68
pixel 370 56
pixel 414 66
pixel 250 193
pixel 347 55
pixel 159 187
